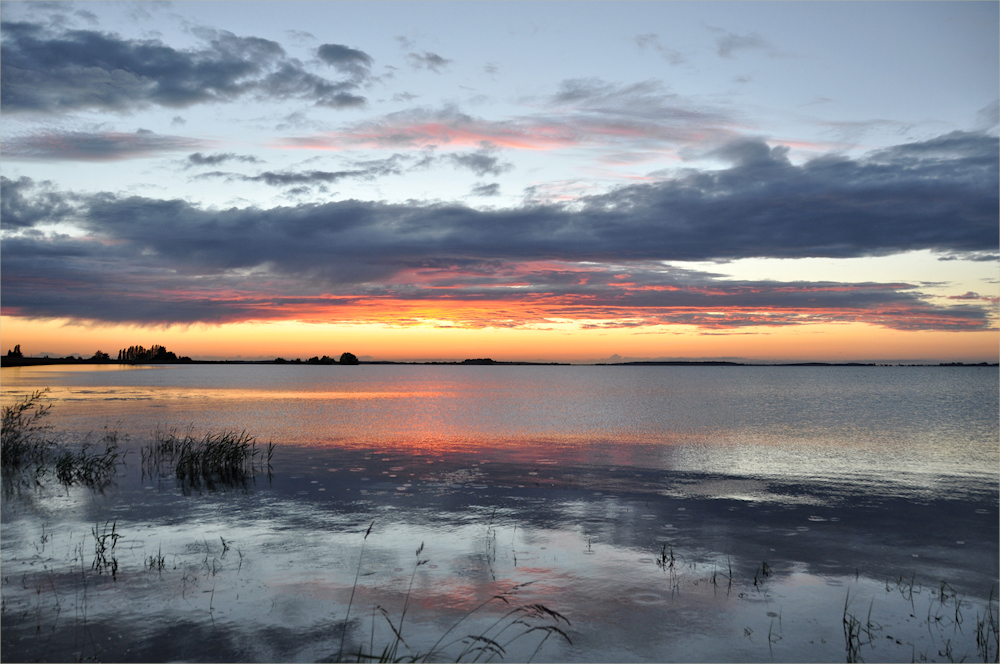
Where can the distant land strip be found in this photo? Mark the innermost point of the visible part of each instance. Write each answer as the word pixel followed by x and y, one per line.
pixel 7 361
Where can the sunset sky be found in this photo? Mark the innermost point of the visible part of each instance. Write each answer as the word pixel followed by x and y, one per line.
pixel 523 181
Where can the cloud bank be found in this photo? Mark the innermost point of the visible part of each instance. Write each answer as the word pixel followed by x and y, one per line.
pixel 603 258
pixel 45 70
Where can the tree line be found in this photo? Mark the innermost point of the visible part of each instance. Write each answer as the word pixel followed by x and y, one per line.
pixel 154 354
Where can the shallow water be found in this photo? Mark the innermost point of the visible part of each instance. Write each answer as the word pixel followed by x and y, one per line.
pixel 668 513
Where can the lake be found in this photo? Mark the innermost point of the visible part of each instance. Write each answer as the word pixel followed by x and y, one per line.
pixel 551 513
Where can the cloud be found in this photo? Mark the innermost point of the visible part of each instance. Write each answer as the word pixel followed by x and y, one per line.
pixel 482 162
pixel 19 211
pixel 603 258
pixel 57 71
pixel 491 189
pixel 199 159
pixel 583 112
pixel 94 146
pixel 652 41
pixel 988 117
pixel 428 60
pixel 366 170
pixel 346 60
pixel 727 44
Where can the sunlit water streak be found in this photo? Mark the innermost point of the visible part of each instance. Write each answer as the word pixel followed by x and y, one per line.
pixel 577 479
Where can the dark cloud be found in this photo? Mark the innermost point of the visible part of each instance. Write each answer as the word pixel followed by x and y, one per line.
pixel 347 60
pixel 46 71
pixel 18 211
pixel 94 146
pixel 482 162
pixel 940 195
pixel 491 189
pixel 199 159
pixel 427 60
pixel 365 170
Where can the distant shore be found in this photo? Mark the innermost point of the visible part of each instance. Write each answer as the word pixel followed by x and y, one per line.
pixel 45 361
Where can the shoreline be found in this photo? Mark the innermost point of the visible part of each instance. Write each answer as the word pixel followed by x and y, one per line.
pixel 6 362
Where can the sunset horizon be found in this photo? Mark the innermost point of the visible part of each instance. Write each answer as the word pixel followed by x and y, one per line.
pixel 410 191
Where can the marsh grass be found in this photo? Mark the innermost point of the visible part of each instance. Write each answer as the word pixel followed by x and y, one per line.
pixel 94 466
pixel 988 633
pixel 23 439
pixel 105 542
pixel 29 452
pixel 227 459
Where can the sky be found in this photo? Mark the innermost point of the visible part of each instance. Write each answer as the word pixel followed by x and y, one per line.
pixel 535 181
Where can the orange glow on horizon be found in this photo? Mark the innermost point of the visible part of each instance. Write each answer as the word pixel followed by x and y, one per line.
pixel 560 341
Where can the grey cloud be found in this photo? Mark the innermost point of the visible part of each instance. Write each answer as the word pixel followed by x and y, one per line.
pixel 18 211
pixel 46 71
pixel 988 117
pixel 199 159
pixel 428 60
pixel 646 100
pixel 366 170
pixel 491 189
pixel 94 146
pixel 652 41
pixel 728 43
pixel 969 146
pixel 481 163
pixel 347 60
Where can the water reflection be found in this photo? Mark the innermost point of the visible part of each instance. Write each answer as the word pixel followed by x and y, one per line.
pixel 662 533
pixel 283 555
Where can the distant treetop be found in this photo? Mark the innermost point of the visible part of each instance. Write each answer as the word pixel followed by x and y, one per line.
pixel 154 354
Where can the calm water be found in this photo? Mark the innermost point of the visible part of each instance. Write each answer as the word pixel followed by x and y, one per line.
pixel 668 513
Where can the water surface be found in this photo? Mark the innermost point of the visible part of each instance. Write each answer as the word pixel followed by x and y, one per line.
pixel 668 513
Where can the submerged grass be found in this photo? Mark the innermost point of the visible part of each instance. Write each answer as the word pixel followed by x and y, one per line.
pixel 227 459
pixel 28 452
pixel 24 440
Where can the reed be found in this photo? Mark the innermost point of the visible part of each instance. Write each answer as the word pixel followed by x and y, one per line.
pixel 105 541
pixel 22 434
pixel 988 633
pixel 227 459
pixel 94 466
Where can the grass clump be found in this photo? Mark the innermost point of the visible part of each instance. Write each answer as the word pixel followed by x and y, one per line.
pixel 227 459
pixel 28 452
pixel 93 466
pixel 23 441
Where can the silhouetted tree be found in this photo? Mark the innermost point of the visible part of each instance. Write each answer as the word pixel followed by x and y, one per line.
pixel 101 356
pixel 154 354
pixel 348 358
pixel 16 352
